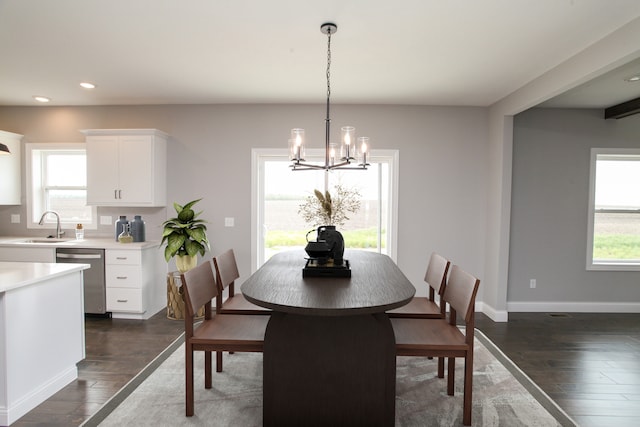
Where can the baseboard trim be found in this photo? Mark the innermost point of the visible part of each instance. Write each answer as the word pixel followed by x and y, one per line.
pixel 573 307
pixel 492 313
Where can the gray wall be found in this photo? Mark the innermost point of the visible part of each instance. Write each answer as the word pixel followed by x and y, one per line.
pixel 443 164
pixel 551 154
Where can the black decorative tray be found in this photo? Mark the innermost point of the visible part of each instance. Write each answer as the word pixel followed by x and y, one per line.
pixel 314 268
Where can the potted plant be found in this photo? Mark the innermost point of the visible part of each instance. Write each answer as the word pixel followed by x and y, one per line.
pixel 185 236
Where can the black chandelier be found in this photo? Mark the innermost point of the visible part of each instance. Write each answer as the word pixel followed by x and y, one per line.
pixel 351 156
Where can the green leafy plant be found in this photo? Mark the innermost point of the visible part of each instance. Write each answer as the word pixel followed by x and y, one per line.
pixel 184 234
pixel 324 209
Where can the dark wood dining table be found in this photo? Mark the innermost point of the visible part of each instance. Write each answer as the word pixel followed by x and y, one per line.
pixel 329 350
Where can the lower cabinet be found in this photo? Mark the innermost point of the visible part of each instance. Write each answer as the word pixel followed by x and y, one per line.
pixel 134 282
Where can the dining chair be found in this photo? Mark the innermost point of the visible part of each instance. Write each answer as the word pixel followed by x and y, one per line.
pixel 226 275
pixel 427 307
pixel 222 332
pixel 442 337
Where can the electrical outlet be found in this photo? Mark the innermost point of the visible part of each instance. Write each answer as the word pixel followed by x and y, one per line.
pixel 15 218
pixel 229 222
pixel 532 283
pixel 106 220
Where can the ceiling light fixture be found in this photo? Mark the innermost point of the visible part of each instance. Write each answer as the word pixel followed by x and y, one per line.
pixel 41 98
pixel 4 150
pixel 348 149
pixel 88 85
pixel 634 78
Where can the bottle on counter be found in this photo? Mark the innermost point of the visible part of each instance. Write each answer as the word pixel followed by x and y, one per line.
pixel 120 225
pixel 79 232
pixel 125 236
pixel 137 229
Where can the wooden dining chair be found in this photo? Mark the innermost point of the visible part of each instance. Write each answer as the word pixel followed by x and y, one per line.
pixel 226 275
pixel 442 337
pixel 222 332
pixel 427 307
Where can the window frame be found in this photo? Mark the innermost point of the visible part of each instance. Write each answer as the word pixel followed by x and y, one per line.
pixel 260 155
pixel 612 265
pixel 33 191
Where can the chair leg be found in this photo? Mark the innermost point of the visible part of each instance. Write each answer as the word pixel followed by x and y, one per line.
pixel 218 361
pixel 189 380
pixel 207 369
pixel 451 372
pixel 468 387
pixel 440 367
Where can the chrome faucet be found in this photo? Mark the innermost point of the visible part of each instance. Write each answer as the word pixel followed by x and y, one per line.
pixel 59 231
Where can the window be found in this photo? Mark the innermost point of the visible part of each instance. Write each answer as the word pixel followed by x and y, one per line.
pixel 614 210
pixel 277 193
pixel 57 181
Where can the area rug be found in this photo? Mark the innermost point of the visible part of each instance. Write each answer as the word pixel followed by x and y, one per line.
pixel 502 394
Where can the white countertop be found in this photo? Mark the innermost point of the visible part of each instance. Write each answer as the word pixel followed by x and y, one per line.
pixel 100 243
pixel 15 275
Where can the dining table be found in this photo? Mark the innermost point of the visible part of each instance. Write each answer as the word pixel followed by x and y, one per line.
pixel 329 348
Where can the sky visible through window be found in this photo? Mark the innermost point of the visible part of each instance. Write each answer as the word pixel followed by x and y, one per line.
pixel 618 184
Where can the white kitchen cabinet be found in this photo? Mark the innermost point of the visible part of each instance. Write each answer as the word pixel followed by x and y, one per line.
pixel 126 167
pixel 135 284
pixel 10 178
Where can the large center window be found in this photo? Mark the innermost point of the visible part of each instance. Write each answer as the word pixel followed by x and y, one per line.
pixel 278 193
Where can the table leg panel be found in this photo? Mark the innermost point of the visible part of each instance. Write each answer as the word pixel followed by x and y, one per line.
pixel 329 371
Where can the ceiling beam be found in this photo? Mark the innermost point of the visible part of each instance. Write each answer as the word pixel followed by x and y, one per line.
pixel 625 109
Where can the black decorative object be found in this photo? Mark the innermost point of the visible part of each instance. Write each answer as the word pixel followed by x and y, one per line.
pixel 334 240
pixel 329 245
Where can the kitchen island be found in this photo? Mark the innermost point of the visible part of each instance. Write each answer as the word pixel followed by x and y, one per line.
pixel 41 333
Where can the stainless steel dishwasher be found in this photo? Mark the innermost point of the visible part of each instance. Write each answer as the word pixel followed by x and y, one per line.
pixel 94 282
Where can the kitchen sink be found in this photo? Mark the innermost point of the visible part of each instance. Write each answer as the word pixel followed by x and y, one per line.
pixel 44 240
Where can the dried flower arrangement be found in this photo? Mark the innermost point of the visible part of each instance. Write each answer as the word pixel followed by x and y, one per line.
pixel 324 209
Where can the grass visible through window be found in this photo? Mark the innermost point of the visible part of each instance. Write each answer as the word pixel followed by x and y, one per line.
pixel 616 247
pixel 353 239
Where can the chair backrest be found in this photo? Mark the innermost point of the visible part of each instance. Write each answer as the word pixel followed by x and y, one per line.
pixel 199 288
pixel 436 275
pixel 460 293
pixel 226 270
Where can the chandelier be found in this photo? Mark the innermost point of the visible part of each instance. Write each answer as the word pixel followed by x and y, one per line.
pixel 350 155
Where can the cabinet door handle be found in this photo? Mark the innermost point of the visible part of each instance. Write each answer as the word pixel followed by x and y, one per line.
pixel 121 277
pixel 123 300
pixel 121 257
pixel 115 194
pixel 119 194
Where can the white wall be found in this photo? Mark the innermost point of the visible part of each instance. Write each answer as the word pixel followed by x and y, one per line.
pixel 443 166
pixel 551 155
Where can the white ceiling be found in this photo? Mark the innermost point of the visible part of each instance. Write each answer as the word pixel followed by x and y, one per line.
pixel 423 52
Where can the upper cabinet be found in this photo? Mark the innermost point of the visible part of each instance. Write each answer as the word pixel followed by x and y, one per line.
pixel 126 167
pixel 10 178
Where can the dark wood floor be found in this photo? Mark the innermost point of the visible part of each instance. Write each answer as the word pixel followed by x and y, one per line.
pixel 588 363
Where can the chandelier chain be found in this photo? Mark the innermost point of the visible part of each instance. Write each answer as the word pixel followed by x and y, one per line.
pixel 328 64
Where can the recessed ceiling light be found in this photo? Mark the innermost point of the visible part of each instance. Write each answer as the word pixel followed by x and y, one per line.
pixel 41 98
pixel 87 85
pixel 634 78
